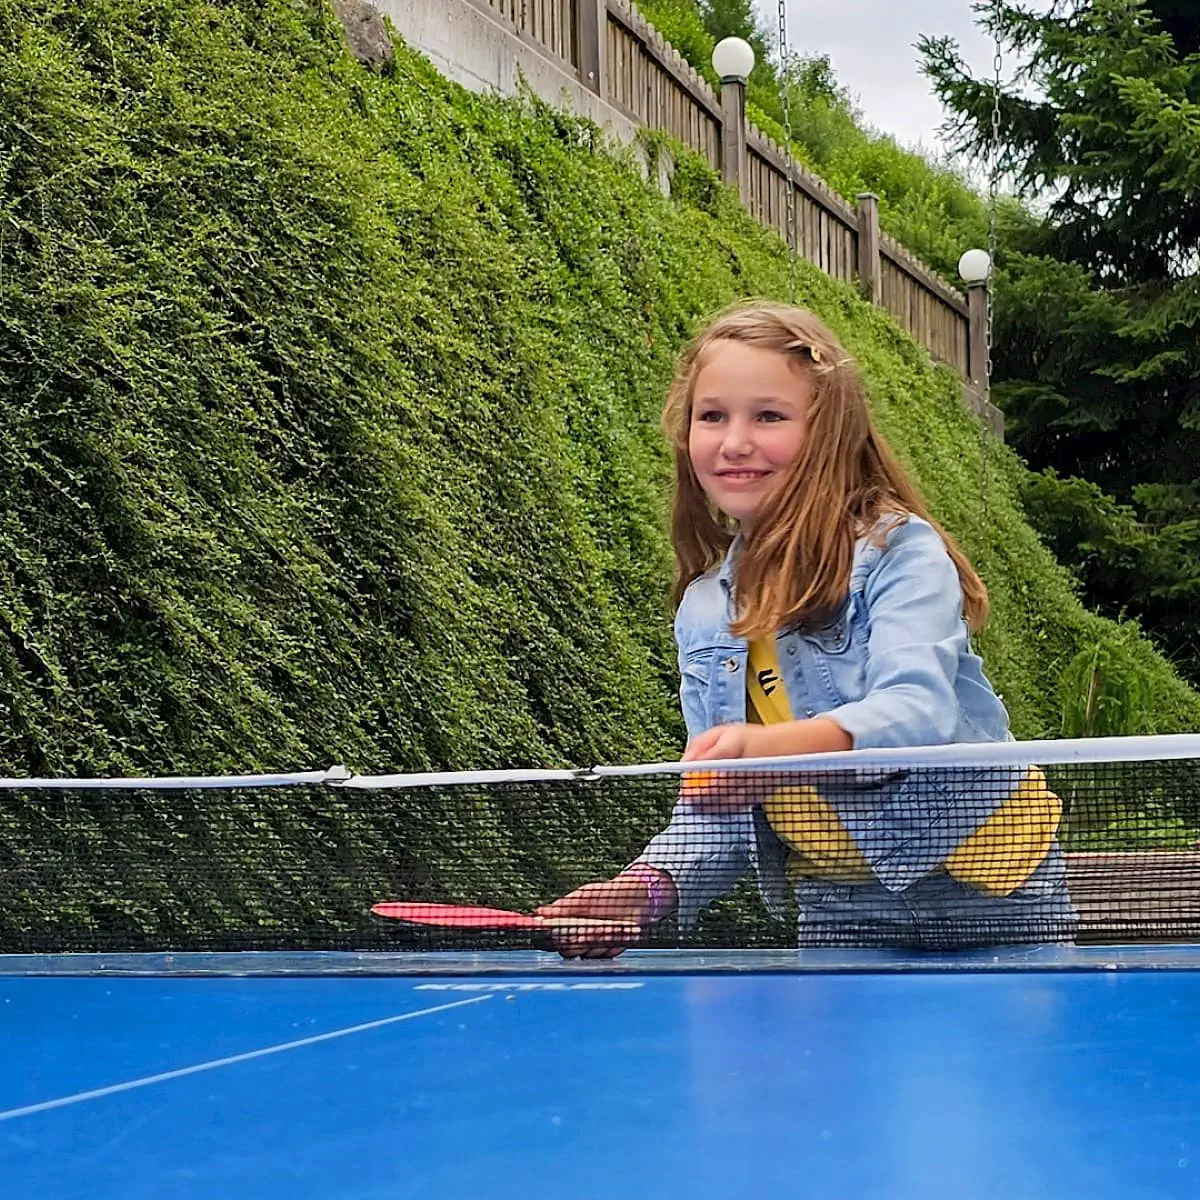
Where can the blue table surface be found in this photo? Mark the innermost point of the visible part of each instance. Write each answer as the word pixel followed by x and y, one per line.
pixel 859 1085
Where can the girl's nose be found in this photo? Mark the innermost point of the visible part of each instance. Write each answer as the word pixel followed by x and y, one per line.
pixel 738 440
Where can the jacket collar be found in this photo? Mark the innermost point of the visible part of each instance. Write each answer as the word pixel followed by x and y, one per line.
pixel 726 573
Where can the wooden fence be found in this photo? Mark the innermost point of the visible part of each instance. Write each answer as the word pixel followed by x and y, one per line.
pixel 549 23
pixel 615 52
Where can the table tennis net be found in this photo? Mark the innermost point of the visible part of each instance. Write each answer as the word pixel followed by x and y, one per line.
pixel 1091 841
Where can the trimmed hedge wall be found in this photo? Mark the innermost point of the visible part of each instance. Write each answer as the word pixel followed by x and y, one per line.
pixel 330 414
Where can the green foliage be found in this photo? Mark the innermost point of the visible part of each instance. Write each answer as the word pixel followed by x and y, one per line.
pixel 1181 20
pixel 1126 563
pixel 681 23
pixel 1103 122
pixel 342 441
pixel 1100 384
pixel 315 452
pixel 1103 692
pixel 1156 829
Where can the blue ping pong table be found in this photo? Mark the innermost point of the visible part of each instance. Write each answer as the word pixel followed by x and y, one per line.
pixel 1034 1073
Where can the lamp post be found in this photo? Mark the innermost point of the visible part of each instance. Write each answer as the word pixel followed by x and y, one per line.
pixel 733 60
pixel 975 267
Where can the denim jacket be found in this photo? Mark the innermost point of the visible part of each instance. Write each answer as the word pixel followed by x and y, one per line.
pixel 893 668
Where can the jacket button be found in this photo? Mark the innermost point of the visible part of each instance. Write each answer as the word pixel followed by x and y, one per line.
pixel 808 712
pixel 791 647
pixel 731 665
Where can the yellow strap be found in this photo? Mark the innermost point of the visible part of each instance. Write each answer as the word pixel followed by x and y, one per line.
pixel 997 859
pixel 1001 855
pixel 767 700
pixel 809 825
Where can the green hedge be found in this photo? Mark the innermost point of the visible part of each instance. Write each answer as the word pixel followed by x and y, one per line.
pixel 330 416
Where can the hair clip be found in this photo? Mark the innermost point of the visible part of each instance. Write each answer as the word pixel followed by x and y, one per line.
pixel 815 354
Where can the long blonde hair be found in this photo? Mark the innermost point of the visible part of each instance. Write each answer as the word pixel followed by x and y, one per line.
pixel 795 562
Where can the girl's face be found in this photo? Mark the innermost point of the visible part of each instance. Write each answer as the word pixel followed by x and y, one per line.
pixel 749 420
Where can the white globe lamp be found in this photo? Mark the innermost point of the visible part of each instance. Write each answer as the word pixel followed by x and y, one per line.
pixel 975 266
pixel 733 60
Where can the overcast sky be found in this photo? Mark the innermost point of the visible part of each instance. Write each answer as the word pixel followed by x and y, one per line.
pixel 871 45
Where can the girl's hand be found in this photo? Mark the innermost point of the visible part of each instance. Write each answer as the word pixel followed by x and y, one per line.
pixel 727 791
pixel 620 906
pixel 731 790
pixel 729 741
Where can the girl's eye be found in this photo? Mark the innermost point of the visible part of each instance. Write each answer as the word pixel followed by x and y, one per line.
pixel 709 415
pixel 770 415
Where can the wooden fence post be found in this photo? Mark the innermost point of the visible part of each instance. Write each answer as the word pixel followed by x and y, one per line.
pixel 978 388
pixel 977 349
pixel 869 275
pixel 591 20
pixel 733 135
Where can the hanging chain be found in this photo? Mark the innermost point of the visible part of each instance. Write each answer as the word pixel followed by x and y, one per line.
pixel 993 206
pixel 993 192
pixel 785 65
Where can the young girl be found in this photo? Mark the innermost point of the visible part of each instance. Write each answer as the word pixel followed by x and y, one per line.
pixel 821 608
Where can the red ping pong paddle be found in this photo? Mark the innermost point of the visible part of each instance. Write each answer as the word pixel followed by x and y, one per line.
pixel 472 916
